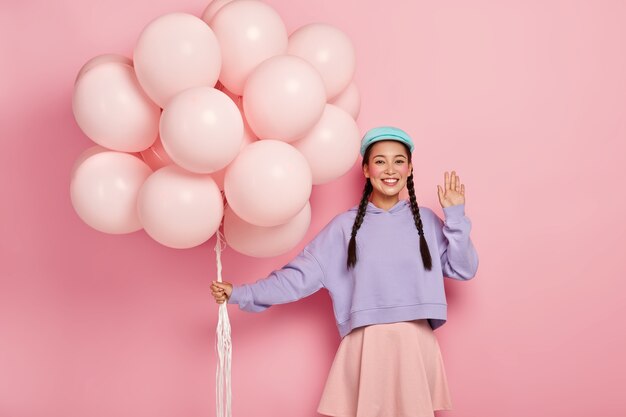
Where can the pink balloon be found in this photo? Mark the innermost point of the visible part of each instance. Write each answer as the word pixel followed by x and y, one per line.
pixel 104 191
pixel 180 209
pixel 234 97
pixel 249 32
pixel 248 134
pixel 212 8
pixel 262 242
pixel 174 52
pixel 92 150
pixel 218 176
pixel 102 59
pixel 201 129
pixel 95 149
pixel 238 100
pixel 283 98
pixel 112 110
pixel 268 183
pixel 155 156
pixel 349 100
pixel 332 146
pixel 329 50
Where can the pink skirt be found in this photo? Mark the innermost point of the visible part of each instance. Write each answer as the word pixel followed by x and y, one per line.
pixel 387 370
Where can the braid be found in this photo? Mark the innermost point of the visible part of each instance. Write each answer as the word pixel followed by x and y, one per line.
pixel 367 190
pixel 426 259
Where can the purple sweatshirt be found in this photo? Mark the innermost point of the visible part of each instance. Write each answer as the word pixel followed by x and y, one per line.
pixel 389 282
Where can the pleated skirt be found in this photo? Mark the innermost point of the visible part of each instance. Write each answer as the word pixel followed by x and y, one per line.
pixel 387 370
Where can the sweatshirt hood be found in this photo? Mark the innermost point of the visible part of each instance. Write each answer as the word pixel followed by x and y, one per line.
pixel 400 206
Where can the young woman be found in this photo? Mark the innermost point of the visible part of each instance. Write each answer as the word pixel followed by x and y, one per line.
pixel 383 262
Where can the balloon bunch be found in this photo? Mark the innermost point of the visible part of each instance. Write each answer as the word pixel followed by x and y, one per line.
pixel 220 118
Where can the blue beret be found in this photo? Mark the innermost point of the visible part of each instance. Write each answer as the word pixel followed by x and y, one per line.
pixel 385 133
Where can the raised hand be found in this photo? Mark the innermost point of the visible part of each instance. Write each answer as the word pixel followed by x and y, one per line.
pixel 453 192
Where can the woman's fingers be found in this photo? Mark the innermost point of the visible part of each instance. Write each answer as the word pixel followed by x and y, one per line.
pixel 451 181
pixel 218 291
pixel 218 286
pixel 221 290
pixel 220 298
pixel 218 294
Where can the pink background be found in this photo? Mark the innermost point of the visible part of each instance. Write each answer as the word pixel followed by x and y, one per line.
pixel 526 100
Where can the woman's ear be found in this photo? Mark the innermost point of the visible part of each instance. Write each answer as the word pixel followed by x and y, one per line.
pixel 365 171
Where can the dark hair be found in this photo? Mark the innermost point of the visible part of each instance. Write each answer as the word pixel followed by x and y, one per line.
pixel 367 191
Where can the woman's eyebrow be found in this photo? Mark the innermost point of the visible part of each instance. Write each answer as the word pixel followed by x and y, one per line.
pixel 382 156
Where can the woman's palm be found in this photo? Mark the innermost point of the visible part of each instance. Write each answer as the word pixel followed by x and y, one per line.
pixel 453 192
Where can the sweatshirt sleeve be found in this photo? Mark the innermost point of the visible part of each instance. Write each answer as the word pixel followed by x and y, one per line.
pixel 459 259
pixel 301 277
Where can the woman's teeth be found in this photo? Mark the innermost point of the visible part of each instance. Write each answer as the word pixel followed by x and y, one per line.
pixel 391 182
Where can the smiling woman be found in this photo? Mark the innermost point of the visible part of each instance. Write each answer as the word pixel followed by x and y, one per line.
pixel 387 169
pixel 386 307
pixel 387 165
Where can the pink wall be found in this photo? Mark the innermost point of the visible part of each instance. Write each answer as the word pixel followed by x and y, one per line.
pixel 525 99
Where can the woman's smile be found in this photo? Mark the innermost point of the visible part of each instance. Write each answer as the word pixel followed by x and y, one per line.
pixel 391 182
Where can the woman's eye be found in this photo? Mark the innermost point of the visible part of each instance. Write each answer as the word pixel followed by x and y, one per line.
pixel 400 161
pixel 381 162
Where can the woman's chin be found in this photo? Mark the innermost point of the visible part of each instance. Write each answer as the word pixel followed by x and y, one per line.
pixel 389 193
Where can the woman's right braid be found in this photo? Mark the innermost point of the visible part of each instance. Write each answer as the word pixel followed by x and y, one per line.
pixel 367 190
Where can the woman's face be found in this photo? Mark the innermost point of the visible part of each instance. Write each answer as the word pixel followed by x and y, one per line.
pixel 388 167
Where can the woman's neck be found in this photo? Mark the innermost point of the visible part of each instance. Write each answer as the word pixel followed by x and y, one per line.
pixel 384 202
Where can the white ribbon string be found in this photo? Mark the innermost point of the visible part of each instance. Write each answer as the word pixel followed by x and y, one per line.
pixel 223 344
